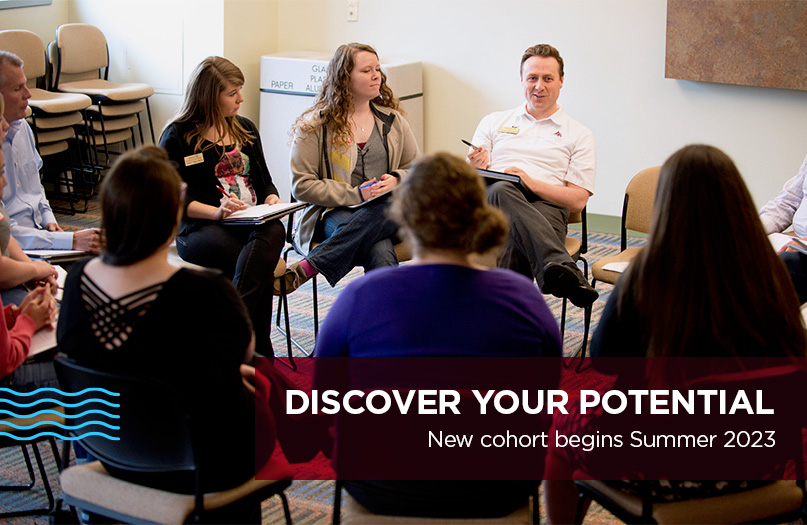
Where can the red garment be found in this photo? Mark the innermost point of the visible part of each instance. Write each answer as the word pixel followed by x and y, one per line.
pixel 15 341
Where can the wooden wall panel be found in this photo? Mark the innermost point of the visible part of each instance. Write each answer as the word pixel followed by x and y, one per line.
pixel 747 42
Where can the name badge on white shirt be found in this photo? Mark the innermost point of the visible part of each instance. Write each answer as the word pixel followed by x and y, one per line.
pixel 508 129
pixel 190 160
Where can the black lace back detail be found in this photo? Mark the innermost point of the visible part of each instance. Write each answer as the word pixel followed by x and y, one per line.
pixel 113 320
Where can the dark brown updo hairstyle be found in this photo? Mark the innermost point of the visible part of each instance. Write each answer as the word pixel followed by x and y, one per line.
pixel 140 203
pixel 442 203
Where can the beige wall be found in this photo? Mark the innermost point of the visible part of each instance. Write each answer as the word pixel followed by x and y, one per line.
pixel 42 20
pixel 614 51
pixel 250 30
pixel 163 50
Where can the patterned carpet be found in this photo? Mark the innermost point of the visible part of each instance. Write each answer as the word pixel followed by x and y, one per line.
pixel 311 501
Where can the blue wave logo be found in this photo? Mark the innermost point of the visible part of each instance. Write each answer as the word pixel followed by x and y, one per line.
pixel 23 420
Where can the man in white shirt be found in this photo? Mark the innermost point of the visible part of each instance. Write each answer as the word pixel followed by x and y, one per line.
pixel 555 156
pixel 33 224
pixel 790 207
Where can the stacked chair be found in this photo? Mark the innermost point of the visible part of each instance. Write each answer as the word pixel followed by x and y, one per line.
pixel 54 117
pixel 80 60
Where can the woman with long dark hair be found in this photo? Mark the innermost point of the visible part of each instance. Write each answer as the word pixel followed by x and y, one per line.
pixel 219 156
pixel 352 146
pixel 707 284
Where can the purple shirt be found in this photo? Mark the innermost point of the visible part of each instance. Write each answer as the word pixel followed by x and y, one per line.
pixel 439 310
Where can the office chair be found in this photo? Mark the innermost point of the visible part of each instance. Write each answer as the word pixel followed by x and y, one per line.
pixel 156 435
pixel 42 424
pixel 781 501
pixel 637 214
pixel 576 249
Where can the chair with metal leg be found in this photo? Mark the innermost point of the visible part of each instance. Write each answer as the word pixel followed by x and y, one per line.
pixel 778 502
pixel 403 252
pixel 637 214
pixel 577 247
pixel 156 435
pixel 26 433
pixel 80 58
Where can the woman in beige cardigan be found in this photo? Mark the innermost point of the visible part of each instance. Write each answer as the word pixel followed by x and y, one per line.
pixel 349 150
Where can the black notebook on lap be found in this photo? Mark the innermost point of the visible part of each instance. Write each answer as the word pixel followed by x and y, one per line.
pixel 495 176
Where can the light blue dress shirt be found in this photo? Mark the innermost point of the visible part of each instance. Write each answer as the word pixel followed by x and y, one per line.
pixel 24 196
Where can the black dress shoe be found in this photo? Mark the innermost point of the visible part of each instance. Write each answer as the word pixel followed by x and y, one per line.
pixel 562 280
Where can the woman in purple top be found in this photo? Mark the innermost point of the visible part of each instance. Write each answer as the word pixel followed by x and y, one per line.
pixel 442 305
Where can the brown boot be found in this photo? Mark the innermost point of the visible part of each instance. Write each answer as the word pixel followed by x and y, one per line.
pixel 295 277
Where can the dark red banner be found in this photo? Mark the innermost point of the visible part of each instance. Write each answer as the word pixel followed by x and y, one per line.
pixel 444 418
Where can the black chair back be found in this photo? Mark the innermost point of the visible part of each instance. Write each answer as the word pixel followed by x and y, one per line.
pixel 155 432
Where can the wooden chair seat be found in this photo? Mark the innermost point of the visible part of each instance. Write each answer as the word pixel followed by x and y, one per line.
pixel 610 276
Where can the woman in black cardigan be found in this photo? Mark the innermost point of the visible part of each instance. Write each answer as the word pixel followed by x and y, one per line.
pixel 219 155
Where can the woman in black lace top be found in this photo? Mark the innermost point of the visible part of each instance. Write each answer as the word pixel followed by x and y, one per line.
pixel 130 310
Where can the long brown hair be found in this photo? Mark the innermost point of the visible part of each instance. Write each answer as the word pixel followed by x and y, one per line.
pixel 334 101
pixel 708 283
pixel 201 104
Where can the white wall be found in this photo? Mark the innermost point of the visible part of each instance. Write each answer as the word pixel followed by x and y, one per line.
pixel 155 41
pixel 161 41
pixel 614 54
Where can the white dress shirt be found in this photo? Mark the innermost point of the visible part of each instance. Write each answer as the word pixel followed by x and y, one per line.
pixel 555 150
pixel 788 207
pixel 24 196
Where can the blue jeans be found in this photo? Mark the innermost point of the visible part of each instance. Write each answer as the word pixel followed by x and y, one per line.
pixel 32 376
pixel 797 267
pixel 247 255
pixel 14 295
pixel 354 237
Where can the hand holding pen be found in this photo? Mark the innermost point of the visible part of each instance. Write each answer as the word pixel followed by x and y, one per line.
pixel 366 189
pixel 229 204
pixel 374 187
pixel 478 157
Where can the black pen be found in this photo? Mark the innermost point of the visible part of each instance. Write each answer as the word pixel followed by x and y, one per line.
pixel 477 148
